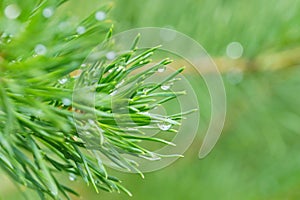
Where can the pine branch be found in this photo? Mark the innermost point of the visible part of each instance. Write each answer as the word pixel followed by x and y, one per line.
pixel 43 134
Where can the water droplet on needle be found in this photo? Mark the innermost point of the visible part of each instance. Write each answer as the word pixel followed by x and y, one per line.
pixel 100 15
pixel 40 49
pixel 48 12
pixel 72 177
pixel 164 126
pixel 66 102
pixel 161 68
pixel 12 11
pixel 80 30
pixel 63 81
pixel 166 86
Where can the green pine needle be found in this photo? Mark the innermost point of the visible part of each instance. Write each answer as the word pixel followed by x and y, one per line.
pixel 43 134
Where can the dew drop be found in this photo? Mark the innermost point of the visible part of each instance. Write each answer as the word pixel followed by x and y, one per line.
pixel 63 81
pixel 100 15
pixel 166 86
pixel 48 12
pixel 80 30
pixel 164 126
pixel 12 11
pixel 40 49
pixel 161 68
pixel 72 177
pixel 111 55
pixel 66 102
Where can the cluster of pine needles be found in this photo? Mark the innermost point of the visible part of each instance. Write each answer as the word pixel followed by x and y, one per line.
pixel 49 125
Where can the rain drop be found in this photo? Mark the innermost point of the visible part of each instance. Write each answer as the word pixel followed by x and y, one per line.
pixel 63 81
pixel 164 126
pixel 166 86
pixel 80 30
pixel 161 68
pixel 100 15
pixel 111 55
pixel 40 49
pixel 47 12
pixel 12 11
pixel 66 102
pixel 72 177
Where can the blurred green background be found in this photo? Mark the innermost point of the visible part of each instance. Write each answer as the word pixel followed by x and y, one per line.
pixel 257 156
